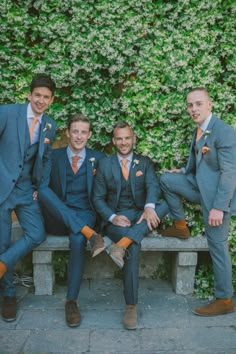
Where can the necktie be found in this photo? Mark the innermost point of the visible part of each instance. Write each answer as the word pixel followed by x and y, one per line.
pixel 32 128
pixel 124 169
pixel 199 133
pixel 75 160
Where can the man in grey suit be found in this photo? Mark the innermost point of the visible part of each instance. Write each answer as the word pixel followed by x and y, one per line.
pixel 67 205
pixel 210 180
pixel 126 195
pixel 26 136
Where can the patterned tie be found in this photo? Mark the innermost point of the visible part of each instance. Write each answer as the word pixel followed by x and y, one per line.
pixel 199 133
pixel 75 160
pixel 32 128
pixel 124 169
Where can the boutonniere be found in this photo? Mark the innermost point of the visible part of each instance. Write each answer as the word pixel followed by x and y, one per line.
pixel 46 141
pixel 206 133
pixel 92 160
pixel 94 171
pixel 135 162
pixel 139 173
pixel 205 149
pixel 48 126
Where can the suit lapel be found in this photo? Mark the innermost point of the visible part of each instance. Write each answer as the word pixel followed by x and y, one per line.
pixel 22 125
pixel 133 170
pixel 62 170
pixel 203 140
pixel 90 165
pixel 116 171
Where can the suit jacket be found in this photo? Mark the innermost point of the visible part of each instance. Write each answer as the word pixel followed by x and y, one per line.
pixel 215 169
pixel 107 186
pixel 13 125
pixel 58 171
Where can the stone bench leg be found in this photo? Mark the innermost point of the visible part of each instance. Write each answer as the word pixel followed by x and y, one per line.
pixel 44 277
pixel 183 272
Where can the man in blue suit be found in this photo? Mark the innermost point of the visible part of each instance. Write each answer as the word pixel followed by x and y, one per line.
pixel 26 136
pixel 67 205
pixel 126 195
pixel 210 180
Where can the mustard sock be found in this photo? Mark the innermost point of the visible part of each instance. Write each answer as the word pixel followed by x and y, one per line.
pixel 180 224
pixel 3 269
pixel 87 232
pixel 124 242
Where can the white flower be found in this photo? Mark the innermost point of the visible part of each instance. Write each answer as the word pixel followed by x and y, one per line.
pixel 206 133
pixel 48 126
pixel 92 160
pixel 135 162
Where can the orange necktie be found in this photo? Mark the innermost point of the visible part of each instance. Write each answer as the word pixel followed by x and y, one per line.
pixel 124 169
pixel 32 128
pixel 75 160
pixel 199 133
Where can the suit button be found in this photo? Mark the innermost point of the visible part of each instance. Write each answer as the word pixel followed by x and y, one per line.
pixel 13 181
pixel 20 166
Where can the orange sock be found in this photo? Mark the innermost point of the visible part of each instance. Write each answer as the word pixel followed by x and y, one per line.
pixel 87 232
pixel 180 224
pixel 3 269
pixel 124 242
pixel 227 301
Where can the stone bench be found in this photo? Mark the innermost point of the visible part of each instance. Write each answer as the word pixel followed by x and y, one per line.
pixel 183 268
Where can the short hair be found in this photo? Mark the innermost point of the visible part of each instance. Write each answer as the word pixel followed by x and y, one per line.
pixel 201 88
pixel 78 117
pixel 121 124
pixel 43 80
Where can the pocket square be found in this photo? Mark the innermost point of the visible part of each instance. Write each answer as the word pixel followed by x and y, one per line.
pixel 46 141
pixel 139 173
pixel 205 149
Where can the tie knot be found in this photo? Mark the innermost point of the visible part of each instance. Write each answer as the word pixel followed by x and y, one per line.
pixel 199 133
pixel 124 162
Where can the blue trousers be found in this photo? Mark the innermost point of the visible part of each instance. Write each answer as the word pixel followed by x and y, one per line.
pixel 30 218
pixel 175 186
pixel 136 232
pixel 62 220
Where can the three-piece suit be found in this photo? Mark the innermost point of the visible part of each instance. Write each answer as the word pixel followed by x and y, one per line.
pixel 67 207
pixel 210 180
pixel 24 167
pixel 113 194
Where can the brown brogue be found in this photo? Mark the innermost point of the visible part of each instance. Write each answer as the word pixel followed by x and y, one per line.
pixel 215 308
pixel 97 245
pixel 73 317
pixel 130 317
pixel 117 254
pixel 174 231
pixel 9 308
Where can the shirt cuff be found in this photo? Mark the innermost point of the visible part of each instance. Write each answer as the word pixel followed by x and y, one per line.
pixel 111 217
pixel 149 205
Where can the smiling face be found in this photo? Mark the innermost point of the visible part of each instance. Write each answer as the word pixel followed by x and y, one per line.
pixel 78 134
pixel 40 98
pixel 199 106
pixel 124 140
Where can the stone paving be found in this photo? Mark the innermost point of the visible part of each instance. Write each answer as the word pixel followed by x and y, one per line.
pixel 166 323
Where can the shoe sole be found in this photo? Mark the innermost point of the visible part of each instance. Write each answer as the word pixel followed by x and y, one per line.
pixel 73 325
pixel 180 237
pixel 117 261
pixel 98 251
pixel 130 328
pixel 9 319
pixel 218 314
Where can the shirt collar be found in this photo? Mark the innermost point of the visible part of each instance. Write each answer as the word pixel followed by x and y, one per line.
pixel 129 158
pixel 31 114
pixel 204 125
pixel 70 153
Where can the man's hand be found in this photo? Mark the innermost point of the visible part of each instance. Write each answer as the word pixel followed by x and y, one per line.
pixel 151 218
pixel 35 195
pixel 121 220
pixel 215 217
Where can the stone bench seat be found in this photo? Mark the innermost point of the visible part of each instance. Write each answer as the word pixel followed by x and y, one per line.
pixel 184 260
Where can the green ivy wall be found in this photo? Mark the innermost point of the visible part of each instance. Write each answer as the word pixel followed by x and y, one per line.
pixel 131 59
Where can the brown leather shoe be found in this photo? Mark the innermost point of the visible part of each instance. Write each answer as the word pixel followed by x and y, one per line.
pixel 117 254
pixel 9 308
pixel 215 308
pixel 73 317
pixel 130 317
pixel 173 231
pixel 98 245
